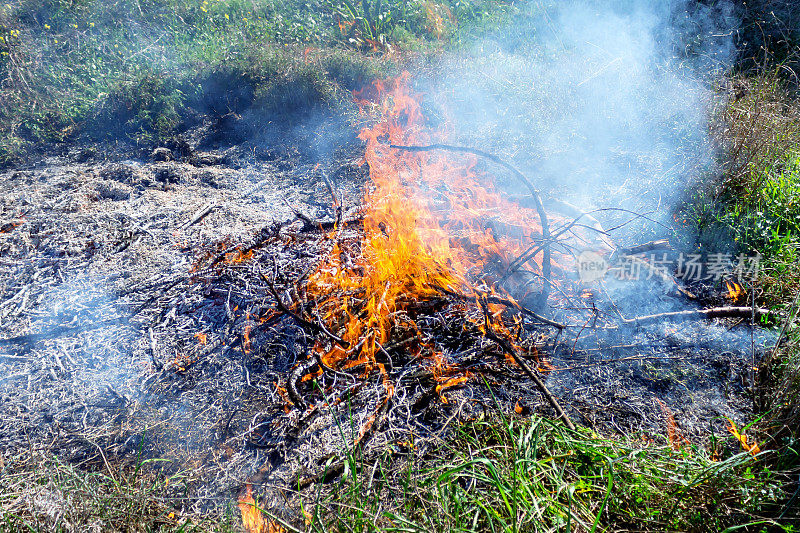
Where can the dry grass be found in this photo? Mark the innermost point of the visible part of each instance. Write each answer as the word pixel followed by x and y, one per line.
pixel 42 493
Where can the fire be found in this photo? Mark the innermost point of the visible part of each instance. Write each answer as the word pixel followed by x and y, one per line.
pixel 734 290
pixel 202 338
pixel 449 384
pixel 676 439
pixel 431 223
pixel 742 438
pixel 253 518
pixel 238 256
pixel 246 344
pixel 8 227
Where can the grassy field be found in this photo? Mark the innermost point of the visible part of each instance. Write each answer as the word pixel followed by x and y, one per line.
pixel 150 67
pixel 144 71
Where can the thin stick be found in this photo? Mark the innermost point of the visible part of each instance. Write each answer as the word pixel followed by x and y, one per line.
pixel 714 312
pixel 200 215
pixel 302 321
pixel 546 266
pixel 506 346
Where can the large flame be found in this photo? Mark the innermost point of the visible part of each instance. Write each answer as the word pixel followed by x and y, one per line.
pixel 431 223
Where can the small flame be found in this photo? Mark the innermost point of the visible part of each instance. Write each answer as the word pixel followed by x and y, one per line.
pixel 742 438
pixel 734 290
pixel 449 384
pixel 246 345
pixel 252 517
pixel 238 256
pixel 8 227
pixel 676 440
pixel 202 338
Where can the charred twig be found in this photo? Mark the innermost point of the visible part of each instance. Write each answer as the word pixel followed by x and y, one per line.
pixel 307 323
pixel 661 244
pixel 506 346
pixel 546 263
pixel 535 248
pixel 508 303
pixel 661 274
pixel 330 473
pixel 296 375
pixel 509 349
pixel 153 350
pixel 200 215
pixel 337 205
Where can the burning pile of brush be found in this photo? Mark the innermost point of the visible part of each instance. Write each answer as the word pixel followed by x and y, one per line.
pixel 440 264
pixel 439 276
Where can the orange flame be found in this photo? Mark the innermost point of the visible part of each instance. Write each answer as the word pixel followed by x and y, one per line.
pixel 734 290
pixel 202 338
pixel 742 438
pixel 252 517
pixel 246 344
pixel 449 384
pixel 676 440
pixel 431 222
pixel 8 227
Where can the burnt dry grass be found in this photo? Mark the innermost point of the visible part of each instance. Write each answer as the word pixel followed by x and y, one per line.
pixel 167 372
pixel 42 493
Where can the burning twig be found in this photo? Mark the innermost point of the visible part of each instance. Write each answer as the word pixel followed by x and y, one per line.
pixel 296 375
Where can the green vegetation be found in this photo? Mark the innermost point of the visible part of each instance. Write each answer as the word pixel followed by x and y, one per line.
pixel 492 475
pixel 142 69
pixel 755 204
pixel 534 475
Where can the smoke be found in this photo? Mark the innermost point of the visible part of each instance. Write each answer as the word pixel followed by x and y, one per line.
pixel 601 103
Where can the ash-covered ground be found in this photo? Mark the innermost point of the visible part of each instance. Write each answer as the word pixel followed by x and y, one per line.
pixel 138 322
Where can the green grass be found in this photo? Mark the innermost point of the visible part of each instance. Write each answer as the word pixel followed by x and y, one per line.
pixel 535 475
pixel 494 474
pixel 754 203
